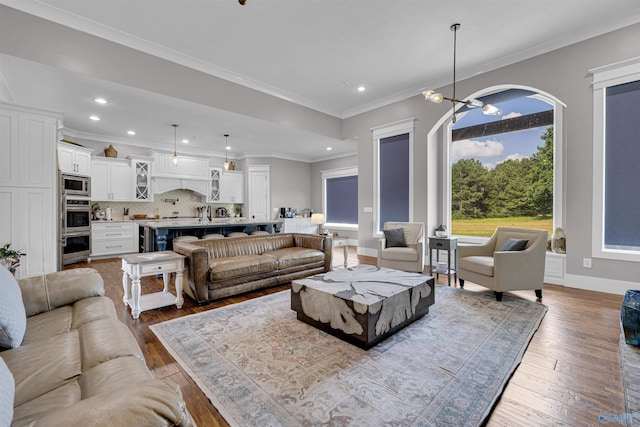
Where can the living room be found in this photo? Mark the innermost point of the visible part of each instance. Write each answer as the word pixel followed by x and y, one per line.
pixel 565 73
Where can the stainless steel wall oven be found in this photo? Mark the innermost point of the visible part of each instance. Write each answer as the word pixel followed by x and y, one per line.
pixel 76 247
pixel 76 214
pixel 74 224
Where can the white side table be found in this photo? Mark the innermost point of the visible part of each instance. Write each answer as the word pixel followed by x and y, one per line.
pixel 341 242
pixel 135 266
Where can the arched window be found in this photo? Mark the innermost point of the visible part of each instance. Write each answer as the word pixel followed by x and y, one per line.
pixel 504 170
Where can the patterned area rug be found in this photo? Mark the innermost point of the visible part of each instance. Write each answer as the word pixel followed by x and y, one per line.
pixel 260 366
pixel 630 361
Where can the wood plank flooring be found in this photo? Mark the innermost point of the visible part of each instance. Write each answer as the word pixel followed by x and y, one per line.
pixel 569 374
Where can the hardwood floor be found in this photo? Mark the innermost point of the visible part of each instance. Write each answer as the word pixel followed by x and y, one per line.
pixel 569 374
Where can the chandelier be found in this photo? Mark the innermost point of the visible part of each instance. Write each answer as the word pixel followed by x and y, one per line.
pixel 433 96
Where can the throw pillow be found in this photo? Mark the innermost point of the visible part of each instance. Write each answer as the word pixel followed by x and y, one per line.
pixel 514 245
pixel 395 238
pixel 7 392
pixel 13 318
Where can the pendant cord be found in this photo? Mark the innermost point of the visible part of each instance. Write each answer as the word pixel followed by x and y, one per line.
pixel 454 27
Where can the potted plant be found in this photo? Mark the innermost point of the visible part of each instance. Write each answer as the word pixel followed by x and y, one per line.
pixel 10 258
pixel 441 231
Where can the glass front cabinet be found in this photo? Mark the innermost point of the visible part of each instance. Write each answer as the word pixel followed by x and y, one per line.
pixel 142 180
pixel 214 188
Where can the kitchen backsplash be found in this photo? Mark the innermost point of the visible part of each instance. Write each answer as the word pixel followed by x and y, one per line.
pixel 184 202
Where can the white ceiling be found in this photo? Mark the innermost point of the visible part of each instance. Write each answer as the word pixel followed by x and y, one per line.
pixel 312 52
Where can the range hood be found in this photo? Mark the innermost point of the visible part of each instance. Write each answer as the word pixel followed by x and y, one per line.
pixel 164 184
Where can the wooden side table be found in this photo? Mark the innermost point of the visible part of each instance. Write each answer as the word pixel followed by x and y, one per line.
pixel 135 266
pixel 449 244
pixel 341 242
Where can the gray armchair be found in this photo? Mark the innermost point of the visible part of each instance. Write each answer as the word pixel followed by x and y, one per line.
pixel 408 258
pixel 503 271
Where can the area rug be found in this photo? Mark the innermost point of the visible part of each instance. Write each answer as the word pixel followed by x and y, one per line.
pixel 260 366
pixel 630 361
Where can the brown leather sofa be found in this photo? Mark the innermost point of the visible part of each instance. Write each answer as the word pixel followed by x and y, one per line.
pixel 77 364
pixel 230 266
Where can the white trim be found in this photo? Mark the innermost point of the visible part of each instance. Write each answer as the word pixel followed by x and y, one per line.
pixel 615 74
pixel 598 284
pixel 603 77
pixel 336 173
pixel 385 131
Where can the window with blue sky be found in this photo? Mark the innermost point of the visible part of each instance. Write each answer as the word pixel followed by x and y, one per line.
pixel 502 166
pixel 494 149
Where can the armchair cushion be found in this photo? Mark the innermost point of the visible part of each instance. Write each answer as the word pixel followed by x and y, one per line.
pixel 478 264
pixel 514 245
pixel 395 238
pixel 401 254
pixel 13 317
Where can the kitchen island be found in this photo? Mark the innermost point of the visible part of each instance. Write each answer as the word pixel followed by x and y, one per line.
pixel 158 235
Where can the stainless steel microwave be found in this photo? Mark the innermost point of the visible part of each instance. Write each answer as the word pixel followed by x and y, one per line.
pixel 75 185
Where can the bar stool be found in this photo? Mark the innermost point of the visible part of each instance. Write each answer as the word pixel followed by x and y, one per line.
pixel 237 234
pixel 185 239
pixel 212 236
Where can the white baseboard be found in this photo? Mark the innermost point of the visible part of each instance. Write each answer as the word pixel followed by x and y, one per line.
pixel 609 286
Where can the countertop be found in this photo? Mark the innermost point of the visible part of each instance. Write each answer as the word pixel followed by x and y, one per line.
pixel 195 222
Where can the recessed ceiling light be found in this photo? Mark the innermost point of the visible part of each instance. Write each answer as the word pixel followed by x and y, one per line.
pixel 94 118
pixel 361 89
pixel 100 100
pixel 227 148
pixel 185 141
pixel 131 132
pixel 329 148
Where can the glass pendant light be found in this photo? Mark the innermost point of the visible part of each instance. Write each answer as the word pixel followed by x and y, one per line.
pixel 175 146
pixel 226 147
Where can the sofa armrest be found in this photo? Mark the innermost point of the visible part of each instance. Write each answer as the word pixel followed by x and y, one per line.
pixel 314 241
pixel 151 403
pixel 44 293
pixel 197 267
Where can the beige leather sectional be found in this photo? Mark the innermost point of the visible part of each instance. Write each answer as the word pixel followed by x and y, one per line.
pixel 217 268
pixel 77 364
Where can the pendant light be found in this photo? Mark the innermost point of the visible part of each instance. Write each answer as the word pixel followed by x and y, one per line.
pixel 175 145
pixel 431 95
pixel 226 147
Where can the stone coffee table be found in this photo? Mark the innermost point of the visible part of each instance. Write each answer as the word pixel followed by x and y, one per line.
pixel 364 304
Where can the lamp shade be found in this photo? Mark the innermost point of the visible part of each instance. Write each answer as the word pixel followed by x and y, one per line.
pixel 317 218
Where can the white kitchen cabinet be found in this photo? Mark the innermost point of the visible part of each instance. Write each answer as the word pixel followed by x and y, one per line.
pixel 74 159
pixel 28 186
pixel 111 179
pixel 232 187
pixel 113 238
pixel 187 167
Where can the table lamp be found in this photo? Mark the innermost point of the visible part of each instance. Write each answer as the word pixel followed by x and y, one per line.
pixel 318 218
